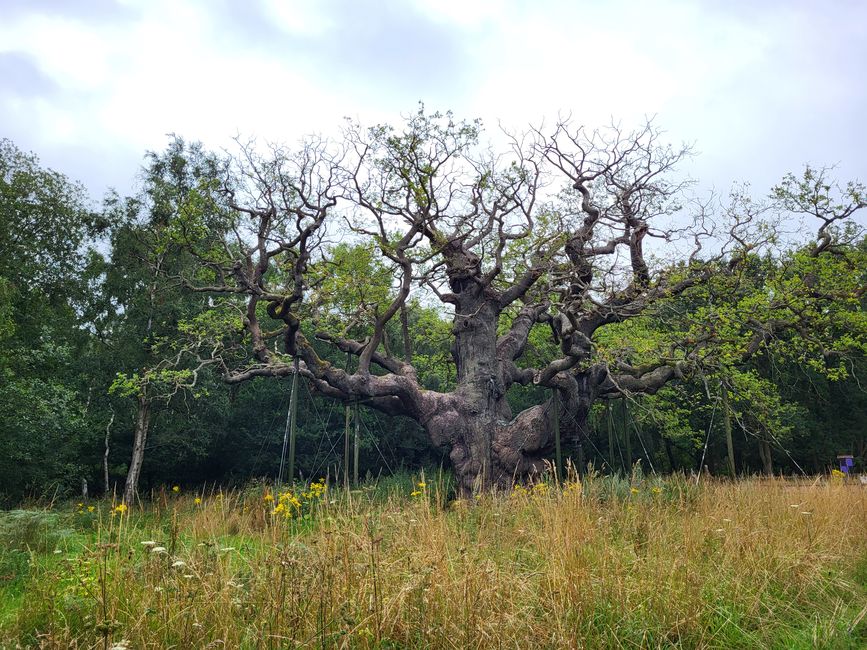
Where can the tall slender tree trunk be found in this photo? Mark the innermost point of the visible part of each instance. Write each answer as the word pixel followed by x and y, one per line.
pixel 669 454
pixel 767 458
pixel 142 425
pixel 143 414
pixel 105 478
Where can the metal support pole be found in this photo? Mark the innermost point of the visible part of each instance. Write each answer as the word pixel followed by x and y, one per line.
pixel 293 423
pixel 357 442
pixel 347 414
pixel 558 453
pixel 627 435
pixel 346 435
pixel 727 426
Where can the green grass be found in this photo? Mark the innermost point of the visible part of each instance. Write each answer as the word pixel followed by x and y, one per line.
pixel 612 562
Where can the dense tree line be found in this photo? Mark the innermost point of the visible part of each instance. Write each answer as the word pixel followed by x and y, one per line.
pixel 126 328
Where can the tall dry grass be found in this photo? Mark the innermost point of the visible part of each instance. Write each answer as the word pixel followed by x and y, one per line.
pixel 607 563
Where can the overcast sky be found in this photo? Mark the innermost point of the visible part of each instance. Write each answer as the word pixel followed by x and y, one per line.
pixel 760 86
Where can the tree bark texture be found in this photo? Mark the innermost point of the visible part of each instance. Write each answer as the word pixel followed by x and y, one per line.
pixel 142 425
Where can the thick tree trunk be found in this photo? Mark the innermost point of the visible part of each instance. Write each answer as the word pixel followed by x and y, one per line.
pixel 142 424
pixel 479 406
pixel 489 448
pixel 488 451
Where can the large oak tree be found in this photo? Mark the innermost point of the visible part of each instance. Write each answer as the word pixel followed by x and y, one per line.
pixel 575 231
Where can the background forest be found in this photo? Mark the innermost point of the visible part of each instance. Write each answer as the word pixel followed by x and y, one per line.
pixel 92 307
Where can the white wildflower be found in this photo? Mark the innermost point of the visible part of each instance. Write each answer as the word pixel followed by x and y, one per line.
pixel 158 549
pixel 178 564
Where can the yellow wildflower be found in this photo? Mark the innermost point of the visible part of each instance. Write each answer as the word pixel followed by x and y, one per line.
pixel 422 484
pixel 176 488
pixel 121 508
pixel 634 490
pixel 415 493
pixel 656 489
pixel 268 497
pixel 90 508
pixel 518 490
pixel 197 501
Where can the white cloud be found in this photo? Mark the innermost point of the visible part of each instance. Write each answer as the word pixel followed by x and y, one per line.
pixel 299 16
pixel 760 89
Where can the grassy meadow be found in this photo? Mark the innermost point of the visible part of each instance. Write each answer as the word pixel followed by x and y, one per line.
pixel 608 562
